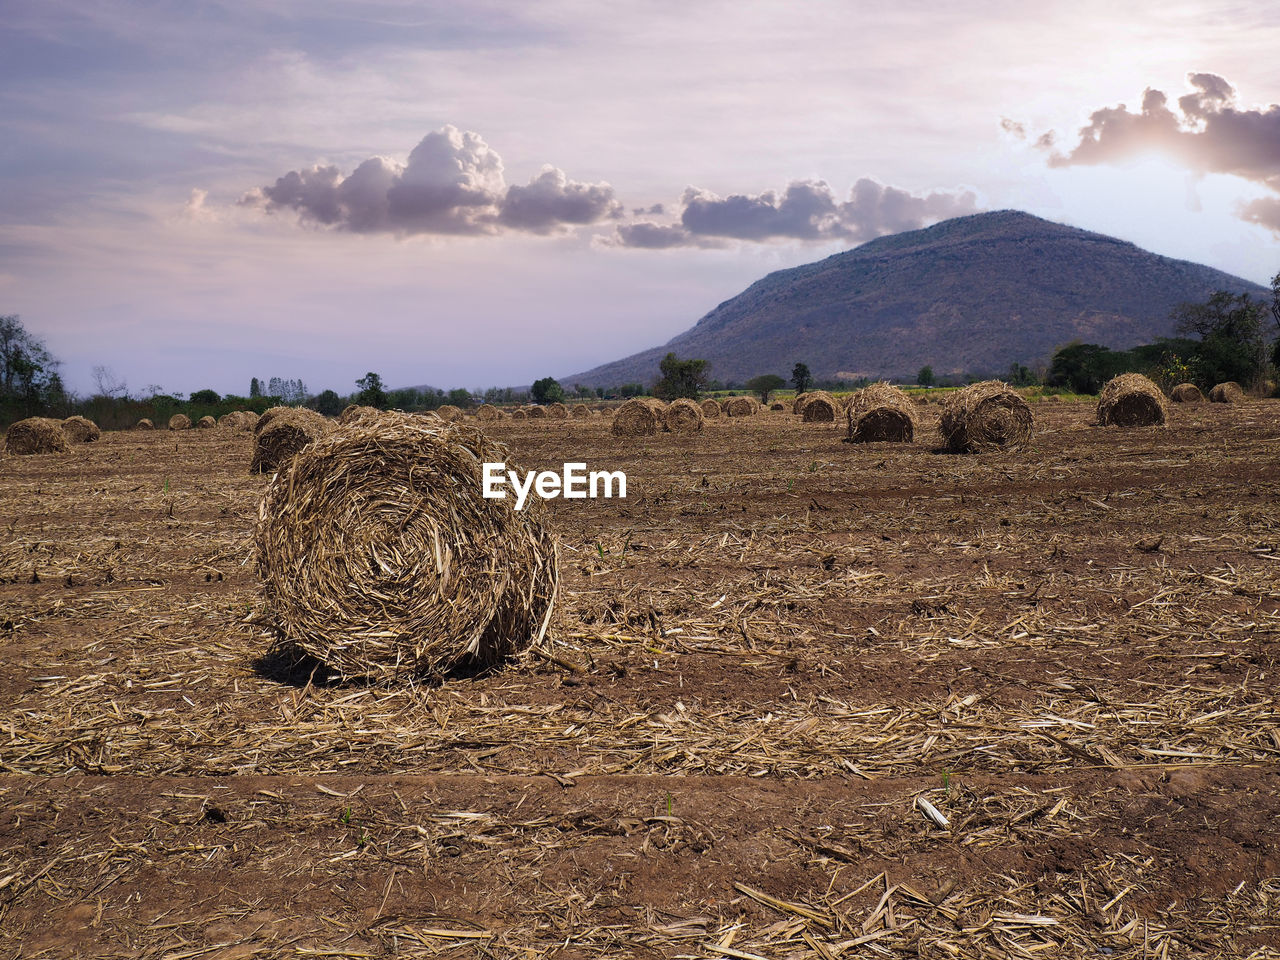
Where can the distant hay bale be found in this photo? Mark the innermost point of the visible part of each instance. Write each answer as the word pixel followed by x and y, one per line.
pixel 881 412
pixel 797 405
pixel 557 411
pixel 682 416
pixel 353 413
pixel 248 420
pixel 231 421
pixel 206 423
pixel 144 424
pixel 487 411
pixel 635 418
pixel 1131 400
pixel 80 429
pixel 179 421
pixel 741 407
pixel 580 411
pixel 447 411
pixel 985 416
pixel 380 557
pixel 1229 392
pixel 535 412
pixel 778 407
pixel 711 409
pixel 287 433
pixel 518 414
pixel 820 407
pixel 1187 393
pixel 36 435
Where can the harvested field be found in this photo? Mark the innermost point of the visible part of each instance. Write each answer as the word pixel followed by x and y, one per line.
pixel 776 669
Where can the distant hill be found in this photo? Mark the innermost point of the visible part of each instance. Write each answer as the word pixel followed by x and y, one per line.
pixel 970 295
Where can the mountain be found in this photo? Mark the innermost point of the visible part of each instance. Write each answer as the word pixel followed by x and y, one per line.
pixel 969 295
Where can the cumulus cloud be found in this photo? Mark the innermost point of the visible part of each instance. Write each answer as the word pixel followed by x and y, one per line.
pixel 806 210
pixel 1207 132
pixel 452 183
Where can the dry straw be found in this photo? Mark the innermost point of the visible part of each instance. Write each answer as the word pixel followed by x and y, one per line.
pixel 557 411
pixel 232 421
pixel 380 556
pixel 635 418
pixel 741 407
pixel 1187 393
pixel 1229 392
pixel 447 411
pixel 1131 400
pixel 206 422
pixel 80 429
pixel 179 421
pixel 36 435
pixel 778 407
pixel 820 407
pixel 487 411
pixel 580 411
pixel 286 434
pixel 270 414
pixel 682 416
pixel 881 412
pixel 354 413
pixel 985 416
pixel 518 414
pixel 797 405
pixel 144 424
pixel 711 409
pixel 535 412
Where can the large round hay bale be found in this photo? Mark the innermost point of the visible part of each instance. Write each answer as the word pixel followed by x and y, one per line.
pixel 711 409
pixel 179 421
pixel 231 421
pixel 535 412
pixel 985 416
pixel 682 416
pixel 1131 400
pixel 355 412
pixel 580 411
pixel 1186 393
pixel 557 411
pixel 144 424
pixel 206 422
pixel 881 412
pixel 380 556
pixel 487 411
pixel 36 435
pixel 287 433
pixel 740 407
pixel 1229 392
pixel 820 407
pixel 797 405
pixel 80 429
pixel 519 414
pixel 448 412
pixel 270 414
pixel 248 420
pixel 635 418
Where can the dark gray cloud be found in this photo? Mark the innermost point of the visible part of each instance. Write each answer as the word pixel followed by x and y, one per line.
pixel 806 210
pixel 452 183
pixel 1207 133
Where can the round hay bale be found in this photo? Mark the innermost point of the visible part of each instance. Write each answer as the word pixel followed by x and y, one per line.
pixel 36 435
pixel 355 414
pixel 1229 392
pixel 448 412
pixel 518 414
pixel 536 412
pixel 1131 400
pixel 682 416
pixel 144 424
pixel 270 414
pixel 1187 393
pixel 380 556
pixel 80 429
pixel 287 433
pixel 487 411
pixel 985 416
pixel 820 407
pixel 741 407
pixel 580 411
pixel 179 421
pixel 797 405
pixel 710 409
pixel 635 418
pixel 206 423
pixel 231 421
pixel 248 420
pixel 778 407
pixel 557 411
pixel 881 412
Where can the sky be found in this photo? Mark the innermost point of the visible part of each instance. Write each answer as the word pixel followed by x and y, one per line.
pixel 470 195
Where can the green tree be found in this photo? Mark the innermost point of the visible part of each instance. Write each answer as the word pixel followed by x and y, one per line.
pixel 925 377
pixel 25 365
pixel 800 377
pixel 460 397
pixel 206 397
pixel 681 378
pixel 547 390
pixel 1275 314
pixel 765 384
pixel 631 390
pixel 372 393
pixel 1229 325
pixel 327 402
pixel 255 388
pixel 1085 367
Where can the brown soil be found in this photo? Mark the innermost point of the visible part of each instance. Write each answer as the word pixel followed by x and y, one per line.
pixel 764 658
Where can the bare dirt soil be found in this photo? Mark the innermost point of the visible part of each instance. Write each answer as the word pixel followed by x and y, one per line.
pixel 767 660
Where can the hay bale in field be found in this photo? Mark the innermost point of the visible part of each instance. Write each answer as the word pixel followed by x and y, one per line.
pixel 248 420
pixel 487 411
pixel 710 409
pixel 352 413
pixel 741 407
pixel 580 411
pixel 881 412
pixel 1131 400
pixel 519 414
pixel 535 412
pixel 682 416
pixel 287 433
pixel 380 556
pixel 985 416
pixel 80 429
pixel 635 418
pixel 179 421
pixel 557 411
pixel 1229 392
pixel 144 424
pixel 270 414
pixel 820 407
pixel 797 405
pixel 448 412
pixel 206 423
pixel 36 435
pixel 778 407
pixel 1186 393
pixel 231 421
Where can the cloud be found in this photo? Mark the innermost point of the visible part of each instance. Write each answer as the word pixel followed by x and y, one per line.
pixel 452 183
pixel 1207 133
pixel 807 210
